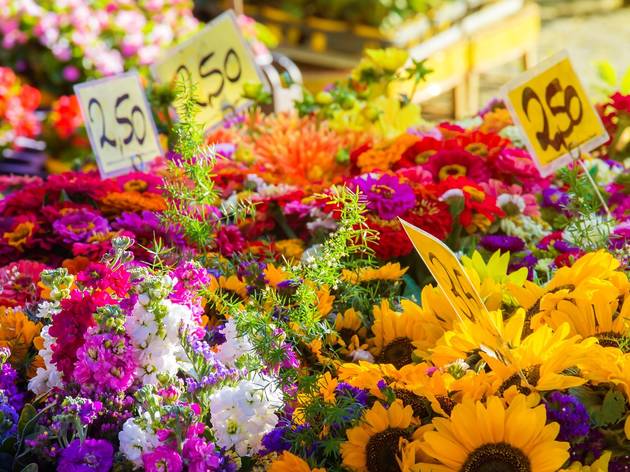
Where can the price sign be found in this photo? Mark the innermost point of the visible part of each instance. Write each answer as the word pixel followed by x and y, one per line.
pixel 119 123
pixel 219 62
pixel 550 105
pixel 456 286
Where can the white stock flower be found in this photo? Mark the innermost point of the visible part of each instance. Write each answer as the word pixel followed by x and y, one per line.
pixel 47 377
pixel 234 346
pixel 135 441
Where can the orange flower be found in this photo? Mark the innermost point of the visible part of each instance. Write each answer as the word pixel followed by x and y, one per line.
pixel 19 334
pixel 301 151
pixel 117 202
pixel 383 157
pixel 75 265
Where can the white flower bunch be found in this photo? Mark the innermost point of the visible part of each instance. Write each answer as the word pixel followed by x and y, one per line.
pixel 136 440
pixel 48 376
pixel 243 414
pixel 154 328
pixel 234 347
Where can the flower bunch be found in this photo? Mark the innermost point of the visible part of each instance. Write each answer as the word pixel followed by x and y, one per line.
pixel 59 44
pixel 18 103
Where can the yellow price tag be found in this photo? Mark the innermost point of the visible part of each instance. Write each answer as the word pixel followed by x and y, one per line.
pixel 456 285
pixel 550 105
pixel 219 62
pixel 119 123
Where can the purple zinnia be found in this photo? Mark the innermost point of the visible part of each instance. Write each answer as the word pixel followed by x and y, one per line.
pixel 93 455
pixel 570 414
pixel 80 225
pixel 553 197
pixel 497 242
pixel 385 195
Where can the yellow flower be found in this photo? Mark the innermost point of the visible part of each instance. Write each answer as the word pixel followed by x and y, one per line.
pixel 388 60
pixel 288 462
pixel 375 444
pixel 20 234
pixel 395 118
pixel 541 362
pixel 389 271
pixel 601 317
pixel 395 334
pixel 600 465
pixel 292 249
pixel 275 275
pixel 324 301
pixel 493 277
pixel 20 335
pixel 350 332
pixel 476 435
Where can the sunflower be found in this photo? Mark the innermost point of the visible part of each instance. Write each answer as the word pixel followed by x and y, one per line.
pixel 288 462
pixel 324 300
pixel 275 275
pixel 541 362
pixel 19 334
pixel 389 271
pixel 350 332
pixel 600 465
pixel 395 334
pixel 490 437
pixel 492 278
pixel 601 317
pixel 292 249
pixel 375 444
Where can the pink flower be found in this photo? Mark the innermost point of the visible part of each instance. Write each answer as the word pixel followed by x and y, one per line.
pixel 162 459
pixel 229 240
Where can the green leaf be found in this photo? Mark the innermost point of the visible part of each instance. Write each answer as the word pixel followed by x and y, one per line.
pixel 607 73
pixel 412 289
pixel 32 467
pixel 624 86
pixel 28 413
pixel 612 410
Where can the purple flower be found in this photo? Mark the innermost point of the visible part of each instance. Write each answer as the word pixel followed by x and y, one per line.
pixel 93 455
pixel 162 459
pixel 8 386
pixel 147 226
pixel 79 226
pixel 570 414
pixel 619 464
pixel 275 440
pixel 497 242
pixel 528 261
pixel 8 420
pixel 357 394
pixel 620 236
pixel 385 195
pixel 553 197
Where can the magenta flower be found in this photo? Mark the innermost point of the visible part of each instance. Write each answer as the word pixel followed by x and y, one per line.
pixel 79 225
pixel 162 459
pixel 105 363
pixel 93 455
pixel 385 195
pixel 230 240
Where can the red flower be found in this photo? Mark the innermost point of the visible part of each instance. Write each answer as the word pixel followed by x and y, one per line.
pixel 449 163
pixel 70 324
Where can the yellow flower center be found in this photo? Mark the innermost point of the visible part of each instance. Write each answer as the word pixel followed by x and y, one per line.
pixel 452 170
pixel 475 194
pixel 135 185
pixel 384 190
pixel 478 149
pixel 18 237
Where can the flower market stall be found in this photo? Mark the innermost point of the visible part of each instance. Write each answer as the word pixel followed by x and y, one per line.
pixel 209 285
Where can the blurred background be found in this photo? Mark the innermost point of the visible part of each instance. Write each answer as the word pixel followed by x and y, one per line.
pixel 473 46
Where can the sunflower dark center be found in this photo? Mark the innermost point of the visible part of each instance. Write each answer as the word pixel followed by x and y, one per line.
pixel 497 457
pixel 346 334
pixel 382 449
pixel 535 308
pixel 446 403
pixel 532 374
pixel 398 352
pixel 610 339
pixel 421 406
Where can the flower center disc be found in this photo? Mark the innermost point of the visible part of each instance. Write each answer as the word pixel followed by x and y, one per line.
pixel 398 353
pixel 382 448
pixel 497 457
